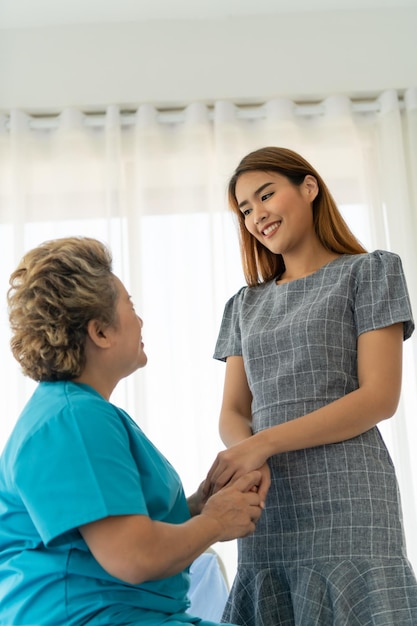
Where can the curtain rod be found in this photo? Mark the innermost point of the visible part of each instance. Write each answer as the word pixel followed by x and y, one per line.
pixel 178 115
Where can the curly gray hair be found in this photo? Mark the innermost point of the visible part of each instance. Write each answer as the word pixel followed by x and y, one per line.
pixel 57 288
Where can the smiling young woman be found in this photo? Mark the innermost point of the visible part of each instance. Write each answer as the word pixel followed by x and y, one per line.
pixel 279 215
pixel 313 351
pixel 259 263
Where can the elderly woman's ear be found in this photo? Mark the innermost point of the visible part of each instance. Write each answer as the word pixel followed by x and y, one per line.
pixel 97 332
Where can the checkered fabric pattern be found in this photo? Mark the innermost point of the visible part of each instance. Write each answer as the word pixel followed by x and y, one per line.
pixel 329 549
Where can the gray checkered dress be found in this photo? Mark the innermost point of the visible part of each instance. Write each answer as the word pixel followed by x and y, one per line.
pixel 329 548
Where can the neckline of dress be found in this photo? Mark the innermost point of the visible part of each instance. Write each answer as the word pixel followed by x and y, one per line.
pixel 290 282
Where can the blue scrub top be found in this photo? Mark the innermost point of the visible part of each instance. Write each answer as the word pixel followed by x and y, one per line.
pixel 74 458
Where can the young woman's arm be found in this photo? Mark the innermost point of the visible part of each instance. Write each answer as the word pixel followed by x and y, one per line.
pixel 135 548
pixel 376 399
pixel 235 423
pixel 235 416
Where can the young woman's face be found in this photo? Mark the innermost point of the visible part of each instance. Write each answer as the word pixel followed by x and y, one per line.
pixel 277 213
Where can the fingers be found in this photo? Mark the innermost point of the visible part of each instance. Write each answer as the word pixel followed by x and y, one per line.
pixel 218 476
pixel 237 507
pixel 255 508
pixel 265 483
pixel 251 511
pixel 225 475
pixel 263 489
pixel 249 482
pixel 214 484
pixel 208 488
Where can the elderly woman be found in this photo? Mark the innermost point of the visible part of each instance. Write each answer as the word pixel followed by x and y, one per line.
pixel 94 524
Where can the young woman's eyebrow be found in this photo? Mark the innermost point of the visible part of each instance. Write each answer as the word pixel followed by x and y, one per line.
pixel 256 193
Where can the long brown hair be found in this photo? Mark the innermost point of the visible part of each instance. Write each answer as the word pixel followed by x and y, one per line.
pixel 261 265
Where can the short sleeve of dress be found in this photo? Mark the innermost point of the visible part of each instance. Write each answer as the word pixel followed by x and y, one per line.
pixel 382 297
pixel 86 474
pixel 229 341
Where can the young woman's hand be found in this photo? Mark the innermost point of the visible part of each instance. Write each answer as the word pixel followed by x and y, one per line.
pixel 236 461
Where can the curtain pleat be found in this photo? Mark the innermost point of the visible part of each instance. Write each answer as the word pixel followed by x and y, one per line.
pixel 155 191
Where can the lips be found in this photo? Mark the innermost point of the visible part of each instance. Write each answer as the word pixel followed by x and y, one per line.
pixel 271 228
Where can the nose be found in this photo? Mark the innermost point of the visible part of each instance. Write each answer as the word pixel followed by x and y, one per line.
pixel 259 212
pixel 260 218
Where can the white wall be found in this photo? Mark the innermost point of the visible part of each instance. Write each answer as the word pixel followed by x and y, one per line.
pixel 168 63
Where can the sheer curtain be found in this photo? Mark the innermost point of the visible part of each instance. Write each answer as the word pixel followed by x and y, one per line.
pixel 153 188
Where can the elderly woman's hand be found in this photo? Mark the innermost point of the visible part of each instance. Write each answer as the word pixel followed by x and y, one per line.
pixel 237 507
pixel 197 500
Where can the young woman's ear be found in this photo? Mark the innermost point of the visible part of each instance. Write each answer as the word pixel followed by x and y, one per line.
pixel 98 333
pixel 311 186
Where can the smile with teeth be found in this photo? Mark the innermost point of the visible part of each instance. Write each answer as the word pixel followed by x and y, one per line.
pixel 271 228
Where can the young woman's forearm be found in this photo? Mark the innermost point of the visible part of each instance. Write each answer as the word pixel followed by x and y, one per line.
pixel 234 428
pixel 376 399
pixel 342 419
pixel 379 374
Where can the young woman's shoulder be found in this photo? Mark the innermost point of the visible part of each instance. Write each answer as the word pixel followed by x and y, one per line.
pixel 376 263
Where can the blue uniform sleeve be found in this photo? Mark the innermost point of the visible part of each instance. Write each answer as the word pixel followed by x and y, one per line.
pixel 78 468
pixel 382 297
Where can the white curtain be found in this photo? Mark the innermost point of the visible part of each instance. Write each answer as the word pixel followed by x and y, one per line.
pixel 153 188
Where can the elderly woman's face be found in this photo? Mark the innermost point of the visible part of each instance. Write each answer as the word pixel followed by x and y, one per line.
pixel 129 354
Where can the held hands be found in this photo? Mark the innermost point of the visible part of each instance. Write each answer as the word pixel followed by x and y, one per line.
pixel 237 507
pixel 197 500
pixel 235 462
pixel 235 489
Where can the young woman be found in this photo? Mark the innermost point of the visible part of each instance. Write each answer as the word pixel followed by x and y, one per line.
pixel 313 351
pixel 94 524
